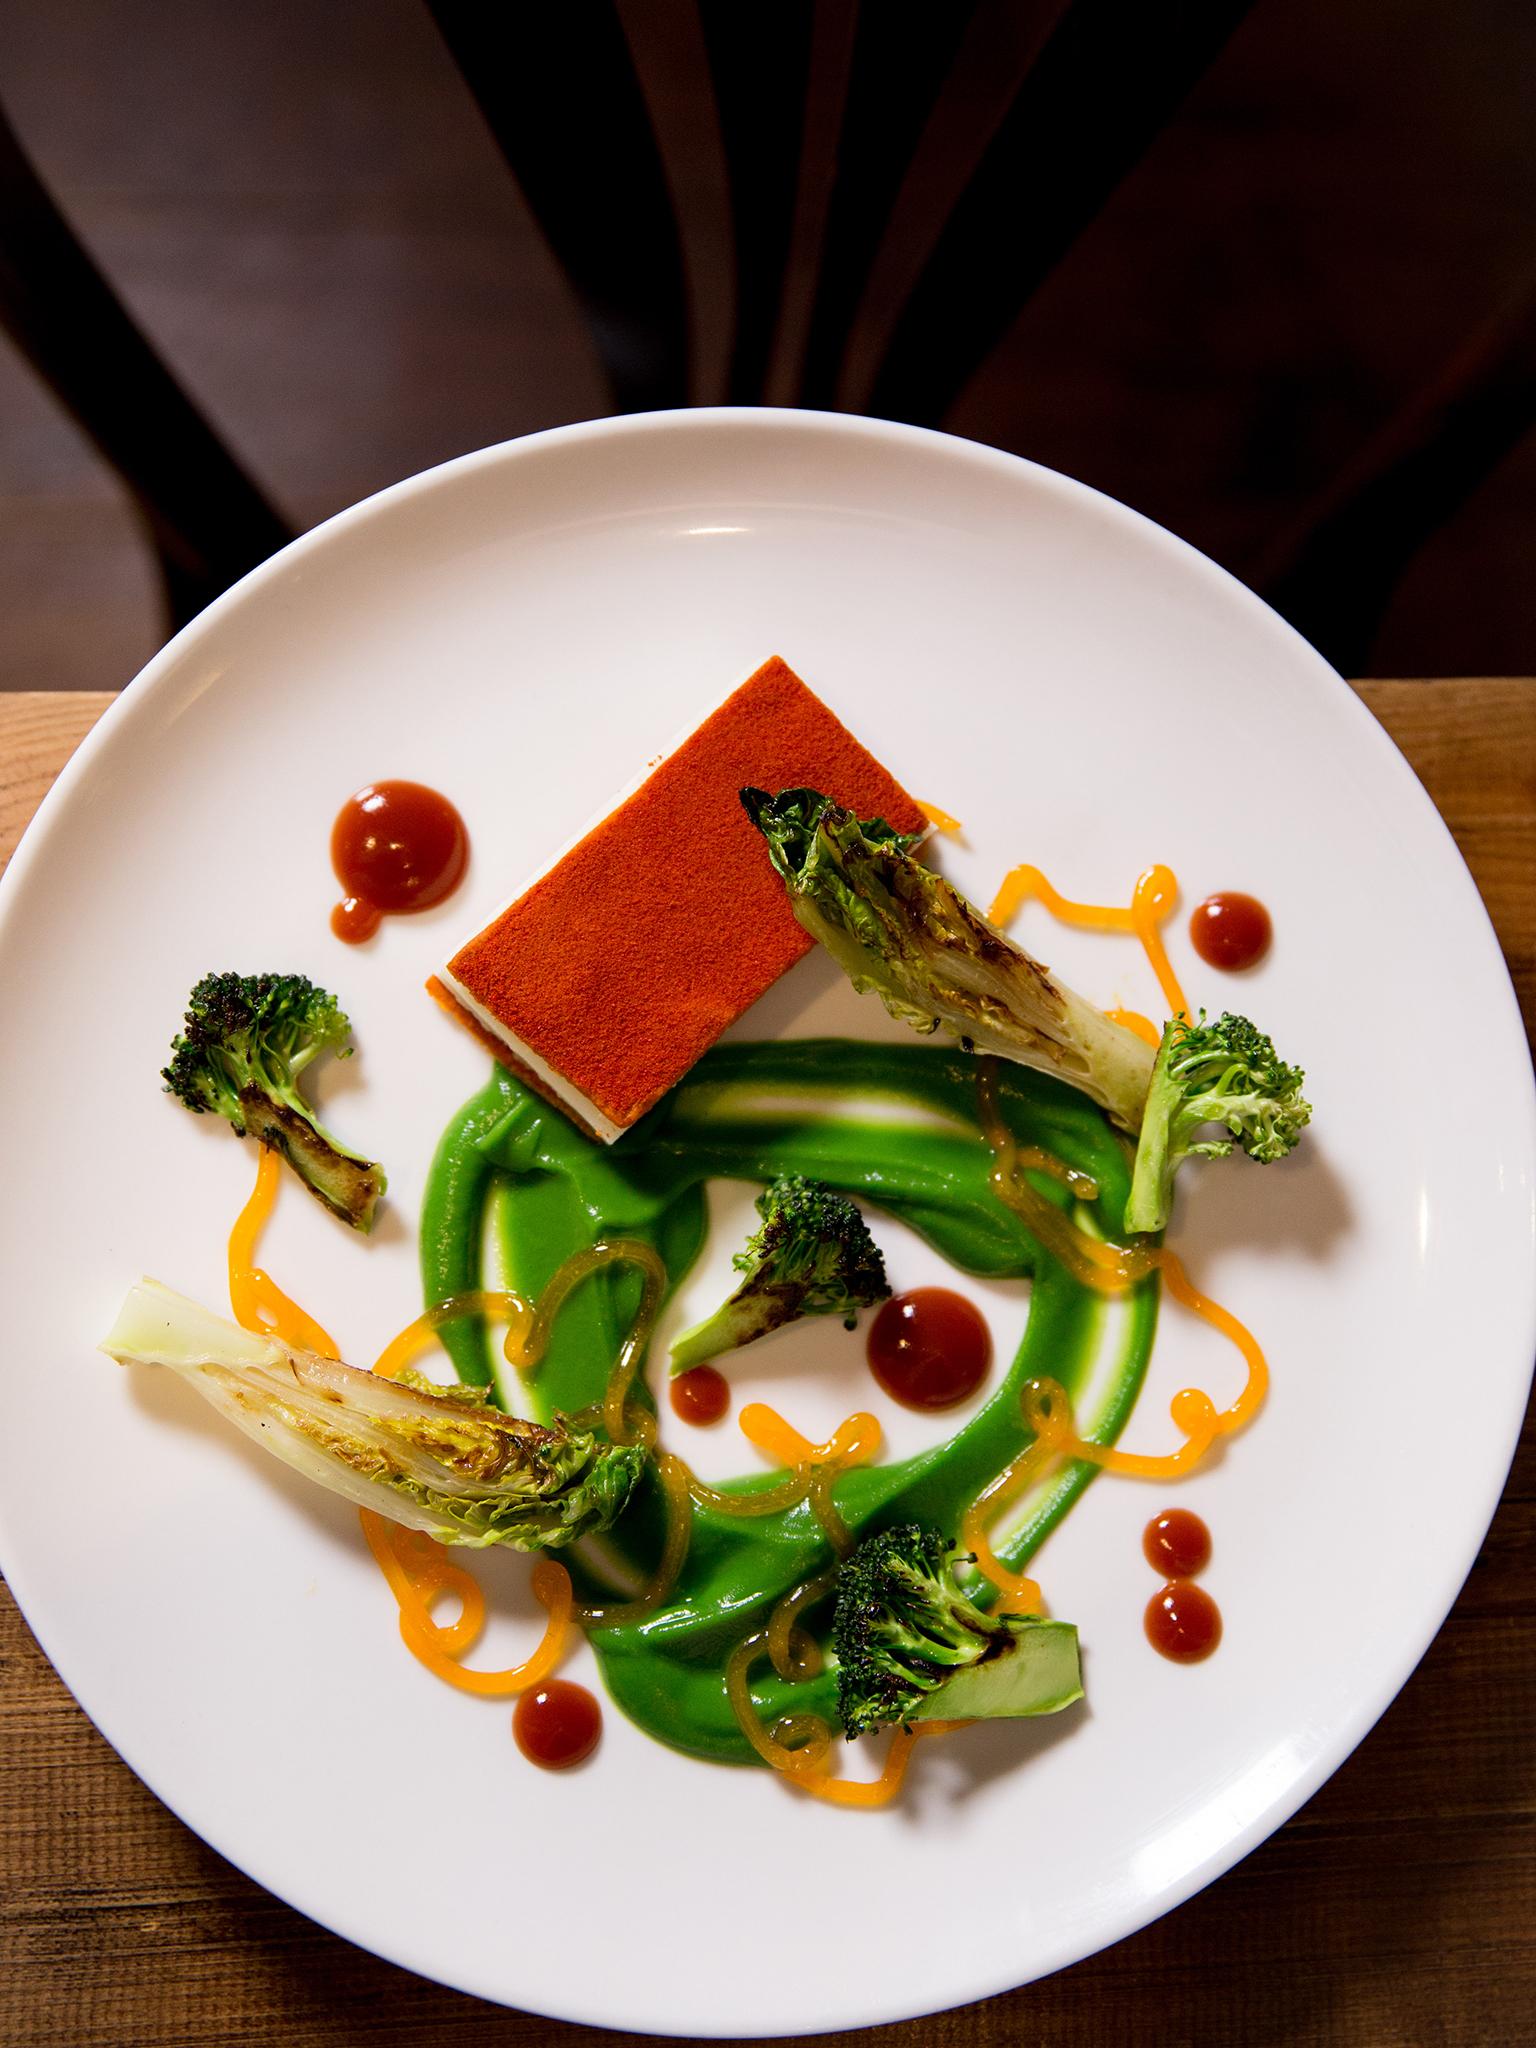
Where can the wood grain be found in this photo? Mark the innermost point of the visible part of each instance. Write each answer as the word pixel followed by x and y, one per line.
pixel 304 210
pixel 1397 1908
pixel 39 730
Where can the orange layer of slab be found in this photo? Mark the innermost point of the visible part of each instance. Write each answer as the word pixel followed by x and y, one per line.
pixel 630 957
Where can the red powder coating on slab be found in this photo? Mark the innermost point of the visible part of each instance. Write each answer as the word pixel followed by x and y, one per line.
pixel 631 956
pixel 450 1006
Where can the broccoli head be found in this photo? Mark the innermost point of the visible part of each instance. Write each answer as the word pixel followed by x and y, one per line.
pixel 896 927
pixel 246 1040
pixel 436 1458
pixel 1222 1073
pixel 812 1255
pixel 911 1645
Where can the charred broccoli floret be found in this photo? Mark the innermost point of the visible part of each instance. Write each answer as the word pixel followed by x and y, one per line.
pixel 913 1646
pixel 246 1040
pixel 1222 1073
pixel 812 1255
pixel 898 928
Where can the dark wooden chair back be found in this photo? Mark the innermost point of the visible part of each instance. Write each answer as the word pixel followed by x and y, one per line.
pixel 207 522
pixel 847 293
pixel 822 106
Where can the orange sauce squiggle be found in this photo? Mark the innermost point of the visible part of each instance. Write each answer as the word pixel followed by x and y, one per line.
pixel 1152 902
pixel 769 1502
pixel 1035 1159
pixel 255 1298
pixel 673 1476
pixel 528 1328
pixel 804 1766
pixel 1194 1413
pixel 795 1654
pixel 941 821
pixel 407 1345
pixel 416 1566
pixel 529 1324
pixel 420 1572
pixel 1109 1269
pixel 417 1578
pixel 853 1442
pixel 417 1582
pixel 1156 892
pixel 798 1744
pixel 1020 1593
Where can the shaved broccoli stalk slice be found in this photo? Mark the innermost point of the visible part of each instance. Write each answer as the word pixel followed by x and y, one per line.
pixel 898 928
pixel 911 1645
pixel 1222 1073
pixel 247 1039
pixel 812 1255
pixel 437 1459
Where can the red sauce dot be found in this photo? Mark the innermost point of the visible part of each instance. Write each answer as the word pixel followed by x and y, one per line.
pixel 1183 1622
pixel 930 1348
pixel 1231 931
pixel 1177 1544
pixel 396 847
pixel 355 920
pixel 700 1396
pixel 557 1725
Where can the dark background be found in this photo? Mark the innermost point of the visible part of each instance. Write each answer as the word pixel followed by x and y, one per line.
pixel 301 206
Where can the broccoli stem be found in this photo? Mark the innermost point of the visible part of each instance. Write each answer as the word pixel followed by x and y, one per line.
pixel 1033 1669
pixel 246 1039
pixel 1151 1196
pixel 349 1187
pixel 733 1324
pixel 1207 1075
pixel 811 1256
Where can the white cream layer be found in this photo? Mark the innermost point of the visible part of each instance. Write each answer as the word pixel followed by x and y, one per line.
pixel 565 1091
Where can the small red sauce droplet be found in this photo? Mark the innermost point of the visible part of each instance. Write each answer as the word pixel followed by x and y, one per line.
pixel 930 1348
pixel 1183 1622
pixel 1177 1544
pixel 1231 931
pixel 557 1725
pixel 396 847
pixel 355 920
pixel 700 1396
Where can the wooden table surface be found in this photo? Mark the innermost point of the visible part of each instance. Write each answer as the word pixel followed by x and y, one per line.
pixel 1399 1907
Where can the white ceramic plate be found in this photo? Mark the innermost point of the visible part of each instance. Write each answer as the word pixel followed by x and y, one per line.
pixel 523 629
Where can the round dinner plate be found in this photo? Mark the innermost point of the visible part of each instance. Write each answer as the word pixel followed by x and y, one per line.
pixel 525 629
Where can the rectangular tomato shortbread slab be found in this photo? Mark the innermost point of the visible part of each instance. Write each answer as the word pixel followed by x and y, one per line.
pixel 612 971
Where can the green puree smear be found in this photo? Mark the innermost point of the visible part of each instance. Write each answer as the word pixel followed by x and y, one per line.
pixel 895 1126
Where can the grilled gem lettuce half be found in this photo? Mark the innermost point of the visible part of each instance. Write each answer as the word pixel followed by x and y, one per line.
pixel 896 927
pixel 441 1459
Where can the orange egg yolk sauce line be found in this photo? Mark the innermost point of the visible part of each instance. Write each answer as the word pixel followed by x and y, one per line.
pixel 415 1565
pixel 813 1470
pixel 417 1568
pixel 1152 902
pixel 797 1745
pixel 940 820
pixel 1108 1268
pixel 255 1299
pixel 422 1564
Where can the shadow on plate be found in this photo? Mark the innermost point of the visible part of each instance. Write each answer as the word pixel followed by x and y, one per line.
pixel 1298 1204
pixel 960 1767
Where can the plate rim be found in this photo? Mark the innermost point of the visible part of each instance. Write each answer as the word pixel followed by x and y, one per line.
pixel 1348 1731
